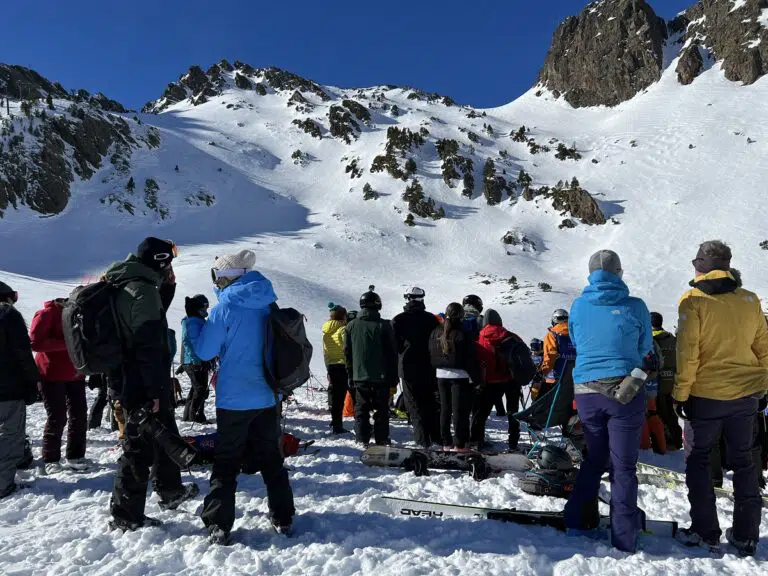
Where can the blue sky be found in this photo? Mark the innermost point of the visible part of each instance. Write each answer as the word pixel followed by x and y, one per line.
pixel 483 53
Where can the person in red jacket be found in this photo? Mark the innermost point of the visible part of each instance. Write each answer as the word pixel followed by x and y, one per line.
pixel 499 382
pixel 62 388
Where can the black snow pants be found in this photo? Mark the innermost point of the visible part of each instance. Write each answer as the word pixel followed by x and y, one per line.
pixel 372 397
pixel 338 385
pixel 422 401
pixel 455 407
pixel 140 453
pixel 194 408
pixel 241 432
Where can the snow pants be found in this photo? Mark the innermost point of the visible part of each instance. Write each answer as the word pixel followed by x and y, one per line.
pixel 372 397
pixel 455 408
pixel 13 418
pixel 242 432
pixel 194 408
pixel 485 400
pixel 338 385
pixel 735 419
pixel 96 413
pixel 612 434
pixel 65 405
pixel 421 400
pixel 666 411
pixel 140 453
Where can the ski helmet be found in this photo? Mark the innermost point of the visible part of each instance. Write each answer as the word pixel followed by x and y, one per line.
pixel 351 315
pixel 196 306
pixel 370 299
pixel 474 301
pixel 414 293
pixel 555 458
pixel 559 316
pixel 537 346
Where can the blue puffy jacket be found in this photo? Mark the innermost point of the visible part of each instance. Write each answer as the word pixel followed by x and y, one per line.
pixel 235 332
pixel 188 356
pixel 611 330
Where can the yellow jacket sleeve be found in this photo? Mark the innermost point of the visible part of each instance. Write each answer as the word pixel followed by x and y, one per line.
pixel 550 354
pixel 688 326
pixel 760 347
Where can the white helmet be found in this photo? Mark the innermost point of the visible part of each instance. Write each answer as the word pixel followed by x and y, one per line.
pixel 414 293
pixel 559 316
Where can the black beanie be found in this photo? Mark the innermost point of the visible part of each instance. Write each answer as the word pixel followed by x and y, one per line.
pixel 155 253
pixel 5 290
pixel 657 320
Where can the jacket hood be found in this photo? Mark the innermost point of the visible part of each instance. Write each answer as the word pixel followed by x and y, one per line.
pixel 605 288
pixel 251 290
pixel 715 282
pixel 414 306
pixel 131 269
pixel 560 329
pixel 494 334
pixel 333 326
pixel 661 334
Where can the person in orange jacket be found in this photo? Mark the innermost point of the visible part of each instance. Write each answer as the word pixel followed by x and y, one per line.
pixel 653 435
pixel 558 350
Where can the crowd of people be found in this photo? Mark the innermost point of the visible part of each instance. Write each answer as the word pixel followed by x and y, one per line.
pixel 633 381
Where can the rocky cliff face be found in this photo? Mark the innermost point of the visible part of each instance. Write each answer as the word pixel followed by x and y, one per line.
pixel 198 86
pixel 732 31
pixel 49 136
pixel 606 54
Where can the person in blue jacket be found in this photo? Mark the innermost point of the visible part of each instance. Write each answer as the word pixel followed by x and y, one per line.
pixel 246 406
pixel 196 369
pixel 612 334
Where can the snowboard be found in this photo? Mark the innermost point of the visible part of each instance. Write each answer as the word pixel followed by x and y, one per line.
pixel 480 464
pixel 419 509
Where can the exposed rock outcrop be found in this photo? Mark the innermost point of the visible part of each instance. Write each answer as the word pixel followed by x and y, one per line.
pixel 606 54
pixel 690 64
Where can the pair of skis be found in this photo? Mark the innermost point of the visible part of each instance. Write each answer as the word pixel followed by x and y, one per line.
pixel 419 509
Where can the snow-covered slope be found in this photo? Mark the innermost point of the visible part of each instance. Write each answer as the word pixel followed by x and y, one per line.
pixel 669 168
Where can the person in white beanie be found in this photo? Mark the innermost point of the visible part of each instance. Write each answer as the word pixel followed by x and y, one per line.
pixel 246 406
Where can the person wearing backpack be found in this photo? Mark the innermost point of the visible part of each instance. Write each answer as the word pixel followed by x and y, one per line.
pixel 247 421
pixel 334 331
pixel 19 378
pixel 62 389
pixel 196 369
pixel 143 287
pixel 558 352
pixel 453 355
pixel 413 327
pixel 664 403
pixel 494 347
pixel 371 353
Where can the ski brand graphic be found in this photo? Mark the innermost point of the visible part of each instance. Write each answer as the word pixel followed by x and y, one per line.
pixel 413 513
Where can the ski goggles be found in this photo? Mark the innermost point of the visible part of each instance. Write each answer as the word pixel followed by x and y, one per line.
pixel 163 256
pixel 217 274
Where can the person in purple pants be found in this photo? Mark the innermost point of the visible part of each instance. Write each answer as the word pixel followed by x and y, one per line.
pixel 612 334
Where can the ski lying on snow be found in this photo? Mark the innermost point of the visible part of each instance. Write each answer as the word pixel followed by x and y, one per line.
pixel 420 509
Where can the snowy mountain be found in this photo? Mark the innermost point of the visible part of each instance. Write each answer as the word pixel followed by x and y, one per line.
pixel 336 189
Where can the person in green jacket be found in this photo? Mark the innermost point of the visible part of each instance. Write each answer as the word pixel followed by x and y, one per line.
pixel 371 354
pixel 145 286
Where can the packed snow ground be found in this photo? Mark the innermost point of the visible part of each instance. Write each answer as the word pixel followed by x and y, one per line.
pixel 690 175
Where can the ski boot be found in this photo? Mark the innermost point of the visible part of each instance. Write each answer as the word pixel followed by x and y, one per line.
pixel 417 463
pixel 187 492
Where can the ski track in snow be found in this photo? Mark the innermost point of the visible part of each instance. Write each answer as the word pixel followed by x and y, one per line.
pixel 318 241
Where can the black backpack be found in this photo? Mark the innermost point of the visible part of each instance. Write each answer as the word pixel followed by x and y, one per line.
pixel 92 329
pixel 288 366
pixel 517 357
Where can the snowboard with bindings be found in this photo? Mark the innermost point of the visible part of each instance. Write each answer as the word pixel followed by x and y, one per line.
pixel 420 461
pixel 406 508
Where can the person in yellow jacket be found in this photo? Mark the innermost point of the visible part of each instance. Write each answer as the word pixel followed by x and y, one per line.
pixel 335 362
pixel 722 371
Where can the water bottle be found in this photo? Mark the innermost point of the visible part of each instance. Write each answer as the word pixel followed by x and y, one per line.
pixel 630 386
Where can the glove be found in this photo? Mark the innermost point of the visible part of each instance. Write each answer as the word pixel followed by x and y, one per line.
pixel 680 409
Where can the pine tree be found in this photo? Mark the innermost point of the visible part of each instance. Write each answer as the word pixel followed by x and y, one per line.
pixel 131 185
pixel 409 220
pixel 49 101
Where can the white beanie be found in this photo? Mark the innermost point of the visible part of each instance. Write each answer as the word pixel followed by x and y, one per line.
pixel 234 265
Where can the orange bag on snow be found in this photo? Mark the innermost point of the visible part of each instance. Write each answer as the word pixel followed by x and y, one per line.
pixel 349 407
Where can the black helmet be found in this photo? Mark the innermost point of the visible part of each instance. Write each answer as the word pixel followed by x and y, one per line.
pixel 196 306
pixel 474 301
pixel 555 458
pixel 537 346
pixel 370 299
